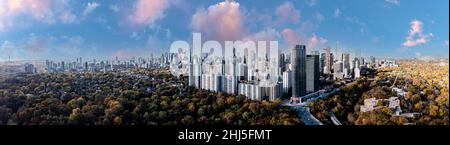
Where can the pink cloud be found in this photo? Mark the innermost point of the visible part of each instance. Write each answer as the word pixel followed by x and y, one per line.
pixel 416 36
pixel 46 11
pixel 221 22
pixel 315 42
pixel 38 9
pixel 287 13
pixel 148 11
pixel 265 35
pixel 123 54
pixel 290 37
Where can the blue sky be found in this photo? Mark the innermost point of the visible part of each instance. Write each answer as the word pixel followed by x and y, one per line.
pixel 103 29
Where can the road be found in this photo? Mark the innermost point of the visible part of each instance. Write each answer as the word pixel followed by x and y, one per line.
pixel 303 109
pixel 334 119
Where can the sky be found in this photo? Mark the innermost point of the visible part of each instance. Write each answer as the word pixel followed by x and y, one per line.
pixel 104 29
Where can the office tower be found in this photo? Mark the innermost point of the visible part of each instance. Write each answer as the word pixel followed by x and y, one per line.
pixel 357 69
pixel 338 67
pixel 338 72
pixel 274 92
pixel 322 63
pixel 191 70
pixel 346 63
pixel 298 58
pixel 63 66
pixel 47 65
pixel 372 61
pixel 352 65
pixel 30 69
pixel 363 62
pixel 260 91
pixel 218 83
pixel 328 61
pixel 357 73
pixel 196 73
pixel 312 73
pixel 86 68
pixel 242 71
pixel 233 74
pixel 287 81
pixel 336 52
pixel 282 63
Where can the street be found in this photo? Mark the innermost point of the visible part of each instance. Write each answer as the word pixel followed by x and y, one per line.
pixel 303 109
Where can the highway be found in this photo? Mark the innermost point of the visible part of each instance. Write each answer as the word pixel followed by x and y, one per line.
pixel 334 119
pixel 303 109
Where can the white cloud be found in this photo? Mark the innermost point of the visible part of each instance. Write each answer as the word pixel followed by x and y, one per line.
pixel 67 17
pixel 312 3
pixel 37 44
pixel 416 36
pixel 7 48
pixel 446 42
pixel 393 2
pixel 418 54
pixel 91 6
pixel 375 39
pixel 337 13
pixel 114 8
pixel 319 17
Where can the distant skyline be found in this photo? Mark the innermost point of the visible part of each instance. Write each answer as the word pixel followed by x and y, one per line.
pixel 67 29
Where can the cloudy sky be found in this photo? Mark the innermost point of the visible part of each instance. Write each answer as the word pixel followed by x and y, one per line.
pixel 103 29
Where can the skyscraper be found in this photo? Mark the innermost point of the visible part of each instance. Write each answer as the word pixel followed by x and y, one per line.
pixel 298 55
pixel 328 61
pixel 282 63
pixel 191 70
pixel 312 73
pixel 322 62
pixel 30 69
pixel 346 63
pixel 338 74
pixel 287 81
pixel 336 52
pixel 372 61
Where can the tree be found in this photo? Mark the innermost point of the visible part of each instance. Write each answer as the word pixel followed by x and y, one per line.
pixel 187 120
pixel 117 120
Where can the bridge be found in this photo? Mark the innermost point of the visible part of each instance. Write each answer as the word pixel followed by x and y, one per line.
pixel 304 111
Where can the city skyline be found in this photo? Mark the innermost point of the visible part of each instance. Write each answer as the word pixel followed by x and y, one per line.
pixel 46 29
